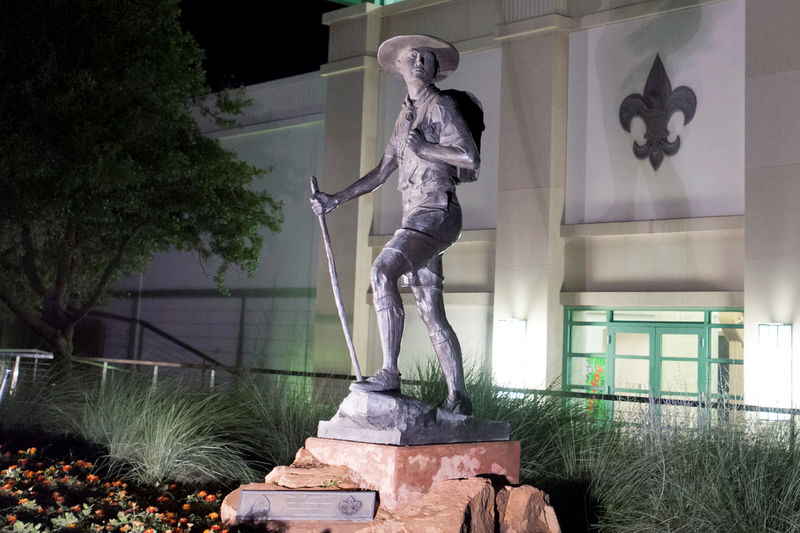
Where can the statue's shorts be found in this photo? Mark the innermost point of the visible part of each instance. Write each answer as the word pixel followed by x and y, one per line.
pixel 426 233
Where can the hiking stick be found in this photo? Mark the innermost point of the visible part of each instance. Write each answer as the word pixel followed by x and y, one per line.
pixel 337 293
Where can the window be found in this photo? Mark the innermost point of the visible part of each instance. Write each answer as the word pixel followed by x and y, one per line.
pixel 669 353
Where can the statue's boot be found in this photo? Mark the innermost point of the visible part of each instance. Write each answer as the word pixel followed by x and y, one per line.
pixel 391 318
pixel 448 351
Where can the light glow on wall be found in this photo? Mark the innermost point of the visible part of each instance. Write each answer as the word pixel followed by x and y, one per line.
pixel 508 356
pixel 772 384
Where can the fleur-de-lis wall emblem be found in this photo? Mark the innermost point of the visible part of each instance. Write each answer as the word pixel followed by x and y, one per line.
pixel 655 106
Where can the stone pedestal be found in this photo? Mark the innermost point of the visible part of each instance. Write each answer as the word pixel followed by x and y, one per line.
pixel 421 488
pixel 402 474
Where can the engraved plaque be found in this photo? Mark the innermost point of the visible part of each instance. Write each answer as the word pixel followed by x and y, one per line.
pixel 258 505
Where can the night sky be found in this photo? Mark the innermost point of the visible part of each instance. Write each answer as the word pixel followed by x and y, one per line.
pixel 252 41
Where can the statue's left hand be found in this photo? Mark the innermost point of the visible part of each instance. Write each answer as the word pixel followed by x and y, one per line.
pixel 416 142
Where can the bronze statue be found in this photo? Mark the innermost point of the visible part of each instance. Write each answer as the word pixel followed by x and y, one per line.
pixel 434 149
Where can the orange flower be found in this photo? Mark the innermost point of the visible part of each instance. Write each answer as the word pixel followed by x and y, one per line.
pixel 213 516
pixel 91 478
pixel 211 498
pixel 152 509
pixel 202 494
pixel 23 501
pixel 66 468
pixel 215 527
pixel 186 506
pixel 11 519
pixel 32 451
pixel 79 462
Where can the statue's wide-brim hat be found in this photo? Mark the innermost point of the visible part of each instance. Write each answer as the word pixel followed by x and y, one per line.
pixel 446 54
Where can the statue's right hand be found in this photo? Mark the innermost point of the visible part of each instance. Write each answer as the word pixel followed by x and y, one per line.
pixel 322 203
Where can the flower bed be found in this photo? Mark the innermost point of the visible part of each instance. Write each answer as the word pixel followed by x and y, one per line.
pixel 42 492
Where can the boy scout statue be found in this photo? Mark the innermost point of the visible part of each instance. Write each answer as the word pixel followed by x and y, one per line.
pixel 433 150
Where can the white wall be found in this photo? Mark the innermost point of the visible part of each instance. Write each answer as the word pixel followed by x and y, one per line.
pixel 772 222
pixel 702 48
pixel 282 129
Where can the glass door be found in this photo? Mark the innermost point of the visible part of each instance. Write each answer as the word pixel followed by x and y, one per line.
pixel 632 349
pixel 681 363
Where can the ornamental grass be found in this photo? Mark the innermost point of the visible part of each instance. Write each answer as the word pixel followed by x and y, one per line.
pixel 149 457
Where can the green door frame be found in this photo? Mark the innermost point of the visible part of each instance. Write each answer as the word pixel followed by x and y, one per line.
pixel 701 359
pixel 613 330
pixel 655 356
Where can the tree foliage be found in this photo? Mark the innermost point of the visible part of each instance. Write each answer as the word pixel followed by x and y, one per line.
pixel 102 161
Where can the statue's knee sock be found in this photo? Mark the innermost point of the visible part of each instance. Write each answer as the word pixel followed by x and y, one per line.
pixel 391 318
pixel 448 351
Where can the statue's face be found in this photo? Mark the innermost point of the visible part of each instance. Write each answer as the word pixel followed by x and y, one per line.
pixel 417 64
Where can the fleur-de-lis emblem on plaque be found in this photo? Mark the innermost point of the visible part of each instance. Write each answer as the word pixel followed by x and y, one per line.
pixel 655 106
pixel 350 506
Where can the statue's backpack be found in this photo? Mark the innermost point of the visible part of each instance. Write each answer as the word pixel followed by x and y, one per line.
pixel 472 111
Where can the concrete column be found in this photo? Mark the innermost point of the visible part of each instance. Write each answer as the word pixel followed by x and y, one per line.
pixel 350 132
pixel 772 189
pixel 529 260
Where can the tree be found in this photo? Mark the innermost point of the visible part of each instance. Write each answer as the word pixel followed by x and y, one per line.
pixel 102 162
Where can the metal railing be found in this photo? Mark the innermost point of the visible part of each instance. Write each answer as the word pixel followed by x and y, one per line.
pixel 33 358
pixel 110 364
pixel 145 325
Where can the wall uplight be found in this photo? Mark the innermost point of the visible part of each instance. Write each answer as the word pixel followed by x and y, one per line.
pixel 508 355
pixel 773 382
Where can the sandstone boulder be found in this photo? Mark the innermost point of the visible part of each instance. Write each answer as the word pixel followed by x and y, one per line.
pixel 451 506
pixel 525 510
pixel 308 472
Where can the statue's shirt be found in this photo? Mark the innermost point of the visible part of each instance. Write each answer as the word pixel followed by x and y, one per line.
pixel 426 184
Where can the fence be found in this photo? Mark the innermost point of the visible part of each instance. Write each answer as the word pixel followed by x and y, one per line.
pixel 247 328
pixel 209 376
pixel 24 361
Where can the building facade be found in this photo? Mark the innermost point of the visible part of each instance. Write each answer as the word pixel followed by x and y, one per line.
pixel 580 262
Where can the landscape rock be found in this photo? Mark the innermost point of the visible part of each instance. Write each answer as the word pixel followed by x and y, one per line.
pixel 451 506
pixel 525 509
pixel 308 472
